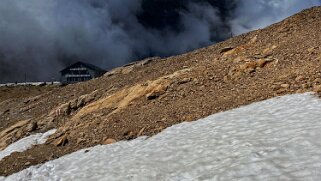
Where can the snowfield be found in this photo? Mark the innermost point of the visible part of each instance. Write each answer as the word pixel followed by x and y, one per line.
pixel 26 143
pixel 277 139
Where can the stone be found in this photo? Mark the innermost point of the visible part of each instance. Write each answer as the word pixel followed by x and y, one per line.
pixel 108 141
pixel 5 112
pixel 285 86
pixel 312 50
pixel 73 104
pixel 275 87
pixel 184 80
pixel 140 133
pixel 250 70
pixel 299 78
pixel 90 97
pixel 61 141
pixel 144 84
pixel 26 101
pixel 7 133
pixel 31 127
pixel 80 141
pixel 80 102
pixel 248 67
pixel 317 88
pixel 225 79
pixel 18 134
pixel 261 63
pixel 148 60
pixel 157 91
pixel 66 109
pixel 317 80
pixel 226 49
pixel 189 118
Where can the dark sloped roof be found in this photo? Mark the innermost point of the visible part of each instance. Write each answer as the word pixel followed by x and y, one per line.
pixel 88 65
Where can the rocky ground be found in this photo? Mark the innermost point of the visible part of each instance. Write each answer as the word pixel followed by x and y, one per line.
pixel 145 97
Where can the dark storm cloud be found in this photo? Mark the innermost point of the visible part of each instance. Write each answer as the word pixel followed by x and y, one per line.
pixel 254 14
pixel 40 37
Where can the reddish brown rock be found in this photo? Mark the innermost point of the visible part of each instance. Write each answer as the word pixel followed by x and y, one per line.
pixel 108 141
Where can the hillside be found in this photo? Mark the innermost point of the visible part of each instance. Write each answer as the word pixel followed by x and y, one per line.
pixel 225 146
pixel 146 97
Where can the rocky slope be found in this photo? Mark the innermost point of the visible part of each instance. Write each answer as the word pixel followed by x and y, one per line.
pixel 145 97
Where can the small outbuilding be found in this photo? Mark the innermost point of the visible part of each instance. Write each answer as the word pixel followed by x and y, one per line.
pixel 79 72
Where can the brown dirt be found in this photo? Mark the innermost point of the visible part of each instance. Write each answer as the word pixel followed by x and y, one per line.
pixel 146 97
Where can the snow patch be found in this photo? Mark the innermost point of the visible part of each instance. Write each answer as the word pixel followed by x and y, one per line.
pixel 26 143
pixel 277 139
